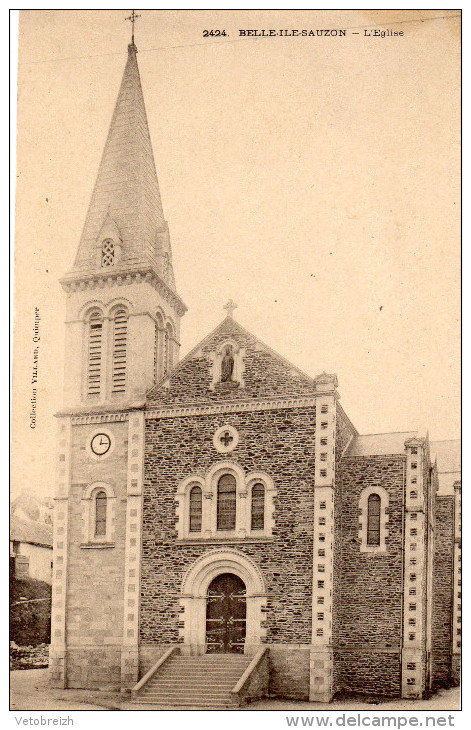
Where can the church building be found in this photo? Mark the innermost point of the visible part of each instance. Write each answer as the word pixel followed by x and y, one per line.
pixel 222 532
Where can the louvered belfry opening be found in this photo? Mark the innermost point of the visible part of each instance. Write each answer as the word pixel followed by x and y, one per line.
pixel 120 334
pixel 94 353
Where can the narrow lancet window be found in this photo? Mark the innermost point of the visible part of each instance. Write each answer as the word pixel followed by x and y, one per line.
pixel 226 503
pixel 374 517
pixel 100 514
pixel 258 507
pixel 196 504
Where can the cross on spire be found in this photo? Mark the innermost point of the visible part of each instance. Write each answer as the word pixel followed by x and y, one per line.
pixel 230 306
pixel 133 17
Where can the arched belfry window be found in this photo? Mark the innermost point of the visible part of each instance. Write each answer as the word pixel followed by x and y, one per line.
pixel 95 337
pixel 257 516
pixel 226 502
pixel 196 505
pixel 159 346
pixel 373 536
pixel 107 253
pixel 168 348
pixel 120 335
pixel 100 513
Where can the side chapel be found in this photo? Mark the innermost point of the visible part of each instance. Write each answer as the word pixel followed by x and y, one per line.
pixel 224 507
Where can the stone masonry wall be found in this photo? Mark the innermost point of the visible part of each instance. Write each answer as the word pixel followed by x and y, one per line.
pixel 442 591
pixel 95 575
pixel 265 375
pixel 278 442
pixel 289 671
pixel 367 640
pixel 375 673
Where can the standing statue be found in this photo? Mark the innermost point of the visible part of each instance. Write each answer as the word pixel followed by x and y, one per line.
pixel 227 365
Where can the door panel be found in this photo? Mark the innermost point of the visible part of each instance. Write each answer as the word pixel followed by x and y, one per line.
pixel 225 615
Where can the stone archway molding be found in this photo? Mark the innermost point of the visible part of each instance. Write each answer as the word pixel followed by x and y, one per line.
pixel 195 585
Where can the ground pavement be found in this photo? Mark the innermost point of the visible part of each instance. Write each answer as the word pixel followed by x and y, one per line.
pixel 30 690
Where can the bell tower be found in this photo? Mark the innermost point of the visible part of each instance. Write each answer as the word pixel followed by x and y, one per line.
pixel 122 334
pixel 123 310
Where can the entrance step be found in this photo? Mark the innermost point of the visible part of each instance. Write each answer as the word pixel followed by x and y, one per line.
pixel 194 681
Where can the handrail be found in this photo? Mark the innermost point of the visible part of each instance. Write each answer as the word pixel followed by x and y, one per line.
pixel 153 669
pixel 246 675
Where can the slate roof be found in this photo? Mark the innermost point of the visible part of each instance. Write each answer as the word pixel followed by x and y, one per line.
pixel 448 455
pixel 379 444
pixel 34 533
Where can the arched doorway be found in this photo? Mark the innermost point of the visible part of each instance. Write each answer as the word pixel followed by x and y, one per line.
pixel 194 598
pixel 226 614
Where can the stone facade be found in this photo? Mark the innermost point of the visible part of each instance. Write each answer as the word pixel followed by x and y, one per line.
pixel 368 639
pixel 345 599
pixel 272 441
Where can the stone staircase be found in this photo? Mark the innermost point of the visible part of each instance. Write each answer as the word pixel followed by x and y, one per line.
pixel 194 681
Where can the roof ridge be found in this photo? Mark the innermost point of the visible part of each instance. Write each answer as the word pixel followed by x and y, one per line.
pixel 386 433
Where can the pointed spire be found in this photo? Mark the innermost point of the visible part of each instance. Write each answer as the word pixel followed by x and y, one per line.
pixel 126 189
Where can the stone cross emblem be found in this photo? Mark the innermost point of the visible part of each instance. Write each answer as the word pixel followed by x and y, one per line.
pixel 226 438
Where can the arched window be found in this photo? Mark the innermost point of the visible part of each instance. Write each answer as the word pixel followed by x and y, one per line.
pixel 226 499
pixel 257 520
pixel 196 503
pixel 159 346
pixel 120 334
pixel 374 520
pixel 168 348
pixel 107 253
pixel 95 332
pixel 100 513
pixel 226 503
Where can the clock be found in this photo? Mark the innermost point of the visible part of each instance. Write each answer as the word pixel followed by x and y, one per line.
pixel 100 444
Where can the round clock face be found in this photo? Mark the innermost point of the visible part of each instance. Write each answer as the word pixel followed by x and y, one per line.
pixel 100 444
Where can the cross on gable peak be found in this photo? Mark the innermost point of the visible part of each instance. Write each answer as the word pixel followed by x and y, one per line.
pixel 230 307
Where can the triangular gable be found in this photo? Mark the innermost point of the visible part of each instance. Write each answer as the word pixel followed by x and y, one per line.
pixel 259 372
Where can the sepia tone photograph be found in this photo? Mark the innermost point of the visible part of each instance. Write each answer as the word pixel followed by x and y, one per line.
pixel 236 445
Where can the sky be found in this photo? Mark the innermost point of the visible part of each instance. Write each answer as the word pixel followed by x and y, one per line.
pixel 315 181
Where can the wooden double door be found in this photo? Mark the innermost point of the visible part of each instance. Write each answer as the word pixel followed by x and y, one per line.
pixel 226 610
